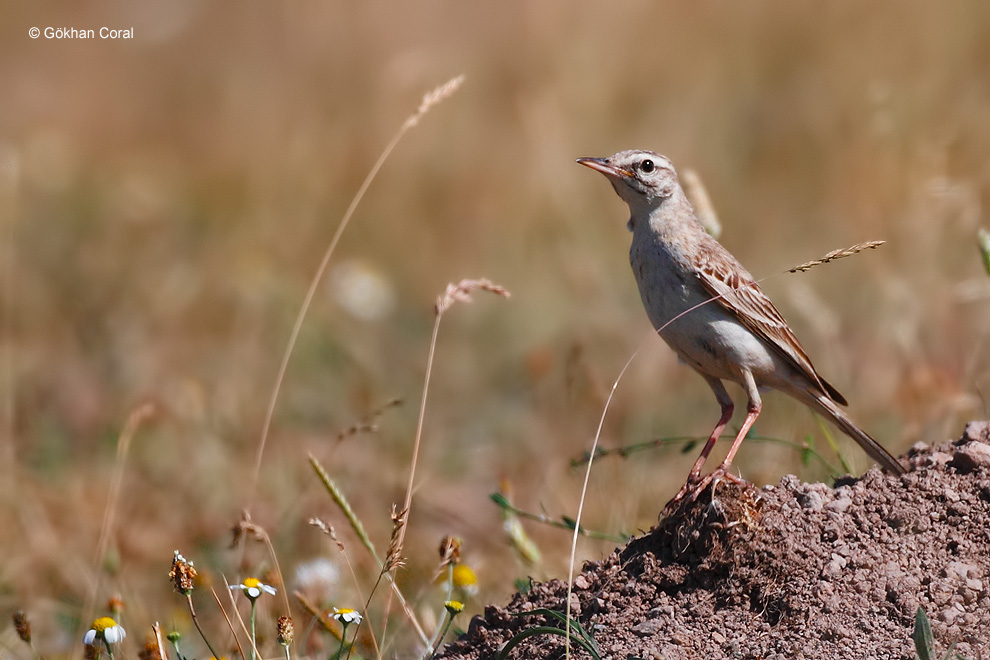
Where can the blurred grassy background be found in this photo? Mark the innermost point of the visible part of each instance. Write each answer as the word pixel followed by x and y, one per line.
pixel 166 200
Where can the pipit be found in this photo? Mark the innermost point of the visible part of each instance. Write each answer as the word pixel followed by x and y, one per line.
pixel 711 311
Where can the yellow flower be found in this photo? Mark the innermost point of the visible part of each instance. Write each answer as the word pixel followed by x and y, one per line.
pixel 346 615
pixel 105 629
pixel 465 579
pixel 454 607
pixel 253 587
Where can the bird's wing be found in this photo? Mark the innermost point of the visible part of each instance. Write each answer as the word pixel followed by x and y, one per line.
pixel 736 291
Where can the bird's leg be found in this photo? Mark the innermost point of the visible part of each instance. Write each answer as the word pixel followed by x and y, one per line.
pixel 753 409
pixel 726 403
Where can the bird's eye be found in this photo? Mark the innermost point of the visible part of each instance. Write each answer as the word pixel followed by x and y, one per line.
pixel 647 166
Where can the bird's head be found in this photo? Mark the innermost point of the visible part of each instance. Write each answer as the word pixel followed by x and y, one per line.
pixel 643 179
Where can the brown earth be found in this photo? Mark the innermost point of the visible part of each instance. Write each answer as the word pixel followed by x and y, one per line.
pixel 790 571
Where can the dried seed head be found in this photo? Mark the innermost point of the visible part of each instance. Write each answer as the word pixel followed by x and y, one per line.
pixel 393 558
pixel 837 254
pixel 285 630
pixel 327 529
pixel 245 528
pixel 22 626
pixel 435 96
pixel 182 575
pixel 461 292
pixel 450 550
pixel 115 606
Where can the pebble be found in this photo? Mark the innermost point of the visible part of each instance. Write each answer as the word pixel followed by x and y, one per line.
pixel 839 505
pixel 971 456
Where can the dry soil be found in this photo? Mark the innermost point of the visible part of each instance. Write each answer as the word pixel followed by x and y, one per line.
pixel 794 570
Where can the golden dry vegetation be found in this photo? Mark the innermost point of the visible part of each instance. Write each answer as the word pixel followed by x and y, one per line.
pixel 166 200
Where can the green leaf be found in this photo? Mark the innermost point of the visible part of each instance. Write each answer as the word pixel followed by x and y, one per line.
pixel 923 643
pixel 545 630
pixel 499 499
pixel 579 634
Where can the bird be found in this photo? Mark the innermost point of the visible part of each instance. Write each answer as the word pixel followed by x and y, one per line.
pixel 708 308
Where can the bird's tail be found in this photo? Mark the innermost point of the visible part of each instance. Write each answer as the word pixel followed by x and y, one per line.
pixel 828 408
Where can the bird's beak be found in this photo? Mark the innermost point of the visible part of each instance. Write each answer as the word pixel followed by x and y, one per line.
pixel 606 168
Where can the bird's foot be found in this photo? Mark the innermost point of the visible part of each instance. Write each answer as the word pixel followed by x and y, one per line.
pixel 721 473
pixel 696 485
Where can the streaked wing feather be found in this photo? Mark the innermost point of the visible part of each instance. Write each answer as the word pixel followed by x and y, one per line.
pixel 739 293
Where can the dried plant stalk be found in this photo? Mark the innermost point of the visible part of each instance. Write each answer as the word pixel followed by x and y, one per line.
pixel 837 254
pixel 429 100
pixel 704 210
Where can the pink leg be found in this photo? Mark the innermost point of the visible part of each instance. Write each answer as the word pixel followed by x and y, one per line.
pixel 727 407
pixel 753 409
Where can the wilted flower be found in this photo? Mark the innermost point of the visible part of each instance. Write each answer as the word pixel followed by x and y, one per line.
pixel 182 575
pixel 285 630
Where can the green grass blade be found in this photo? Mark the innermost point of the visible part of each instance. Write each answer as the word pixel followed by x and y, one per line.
pixel 923 642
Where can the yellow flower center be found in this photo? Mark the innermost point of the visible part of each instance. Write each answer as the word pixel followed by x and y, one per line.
pixel 464 576
pixel 346 610
pixel 252 583
pixel 103 623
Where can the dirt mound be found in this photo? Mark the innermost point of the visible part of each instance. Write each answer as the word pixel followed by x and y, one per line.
pixel 791 571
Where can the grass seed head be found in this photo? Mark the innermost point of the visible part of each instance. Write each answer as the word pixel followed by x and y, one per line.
pixel 22 626
pixel 285 630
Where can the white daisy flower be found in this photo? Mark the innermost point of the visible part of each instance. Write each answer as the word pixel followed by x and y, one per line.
pixel 105 629
pixel 253 587
pixel 346 615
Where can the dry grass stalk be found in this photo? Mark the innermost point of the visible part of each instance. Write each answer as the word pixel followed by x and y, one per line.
pixel 461 292
pixel 368 423
pixel 245 527
pixel 320 617
pixel 159 642
pixel 328 529
pixel 230 624
pixel 704 210
pixel 429 100
pixel 837 254
pixel 137 417
pixel 358 527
